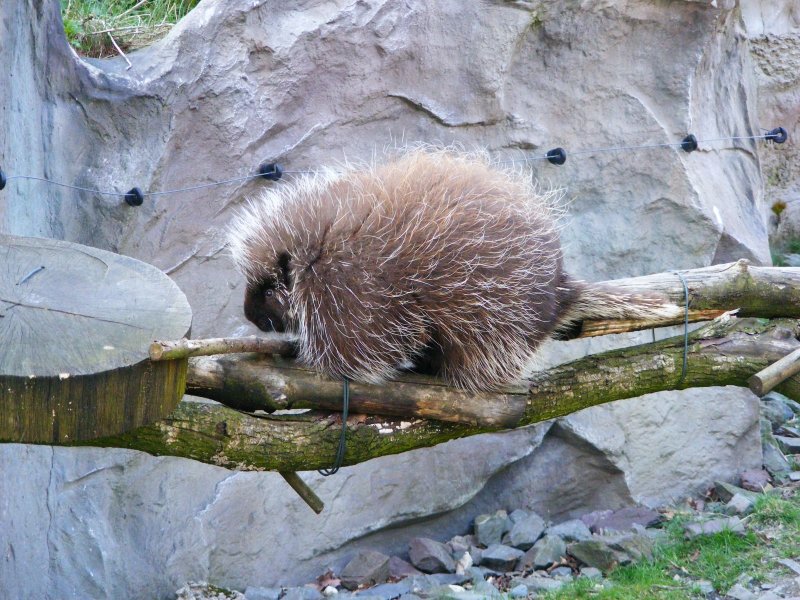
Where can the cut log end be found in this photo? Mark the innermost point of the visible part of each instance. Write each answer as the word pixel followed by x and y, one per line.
pixel 76 322
pixel 778 372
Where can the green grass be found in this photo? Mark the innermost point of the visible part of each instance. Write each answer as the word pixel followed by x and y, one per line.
pixel 778 260
pixel 91 24
pixel 771 510
pixel 778 252
pixel 773 533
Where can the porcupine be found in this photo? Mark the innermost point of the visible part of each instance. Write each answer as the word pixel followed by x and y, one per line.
pixel 436 258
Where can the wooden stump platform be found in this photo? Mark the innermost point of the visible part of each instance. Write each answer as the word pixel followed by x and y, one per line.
pixel 74 338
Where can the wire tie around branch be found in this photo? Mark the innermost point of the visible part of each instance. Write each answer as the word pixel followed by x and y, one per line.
pixel 685 327
pixel 337 463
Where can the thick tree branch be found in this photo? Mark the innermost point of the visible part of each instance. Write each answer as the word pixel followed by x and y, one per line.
pixel 726 352
pixel 299 436
pixel 765 292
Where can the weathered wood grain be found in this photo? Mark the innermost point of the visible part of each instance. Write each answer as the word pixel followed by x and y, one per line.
pixel 779 371
pixel 257 382
pixel 723 353
pixel 74 338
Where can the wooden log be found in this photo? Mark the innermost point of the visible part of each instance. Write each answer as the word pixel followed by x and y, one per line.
pixel 256 382
pixel 75 323
pixel 726 352
pixel 766 379
pixel 764 292
pixel 767 292
pixel 253 383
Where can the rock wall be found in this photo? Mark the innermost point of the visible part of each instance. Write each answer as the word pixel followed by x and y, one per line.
pixel 240 82
pixel 773 29
pixel 94 523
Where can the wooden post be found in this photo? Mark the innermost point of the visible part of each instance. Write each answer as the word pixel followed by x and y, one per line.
pixel 780 371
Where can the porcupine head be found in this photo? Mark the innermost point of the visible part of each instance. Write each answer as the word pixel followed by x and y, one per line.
pixel 435 258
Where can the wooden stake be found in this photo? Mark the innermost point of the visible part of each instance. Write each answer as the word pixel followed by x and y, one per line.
pixel 302 489
pixel 765 380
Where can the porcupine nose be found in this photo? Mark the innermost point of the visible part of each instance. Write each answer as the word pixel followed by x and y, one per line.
pixel 264 323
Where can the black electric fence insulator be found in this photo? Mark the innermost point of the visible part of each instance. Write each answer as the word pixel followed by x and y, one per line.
pixel 557 156
pixel 777 135
pixel 270 171
pixel 689 143
pixel 134 197
pixel 2 179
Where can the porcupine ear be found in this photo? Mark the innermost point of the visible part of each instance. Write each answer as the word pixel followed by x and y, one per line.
pixel 286 273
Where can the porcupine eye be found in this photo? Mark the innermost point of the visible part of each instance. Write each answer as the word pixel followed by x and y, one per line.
pixel 263 306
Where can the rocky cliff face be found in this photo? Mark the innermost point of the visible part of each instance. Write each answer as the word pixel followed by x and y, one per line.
pixel 773 29
pixel 237 83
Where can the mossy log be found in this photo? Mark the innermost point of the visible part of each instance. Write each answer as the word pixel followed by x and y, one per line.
pixel 303 437
pixel 725 352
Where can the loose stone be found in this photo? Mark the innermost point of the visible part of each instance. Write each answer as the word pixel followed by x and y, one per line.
pixel 464 563
pixel 561 573
pixel 625 518
pixel 367 567
pixel 573 530
pixel 775 410
pixel 790 445
pixel 706 587
pixel 262 593
pixel 430 556
pixel 591 573
pixel 536 584
pixel 462 543
pixel 739 505
pixel 489 529
pixel 548 550
pixel 739 592
pixel 526 531
pixel 726 491
pixel 734 524
pixel 755 480
pixel 389 590
pixel 302 593
pixel 517 515
pixel 500 557
pixel 398 568
pixel 635 545
pixel 595 553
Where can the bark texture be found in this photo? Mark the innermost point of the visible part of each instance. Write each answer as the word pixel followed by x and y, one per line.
pixel 725 352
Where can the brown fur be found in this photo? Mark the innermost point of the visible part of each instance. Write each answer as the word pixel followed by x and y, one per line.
pixel 435 257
